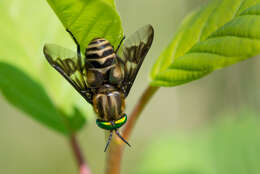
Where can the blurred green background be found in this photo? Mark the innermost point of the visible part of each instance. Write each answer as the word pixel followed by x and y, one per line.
pixel 207 126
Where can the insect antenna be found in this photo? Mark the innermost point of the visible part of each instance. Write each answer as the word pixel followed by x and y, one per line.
pixel 118 134
pixel 108 141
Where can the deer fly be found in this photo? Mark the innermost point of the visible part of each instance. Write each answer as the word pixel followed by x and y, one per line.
pixel 104 76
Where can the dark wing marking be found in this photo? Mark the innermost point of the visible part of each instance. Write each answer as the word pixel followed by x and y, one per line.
pixel 132 54
pixel 66 63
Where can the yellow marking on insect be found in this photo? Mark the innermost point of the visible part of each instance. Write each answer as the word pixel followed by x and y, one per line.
pixel 103 59
pixel 120 120
pixel 99 52
pixel 103 70
pixel 106 123
pixel 101 43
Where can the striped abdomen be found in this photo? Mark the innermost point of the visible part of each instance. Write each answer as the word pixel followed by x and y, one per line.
pixel 101 63
pixel 100 54
pixel 109 106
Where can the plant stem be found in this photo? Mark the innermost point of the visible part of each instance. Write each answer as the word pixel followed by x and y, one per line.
pixel 114 156
pixel 83 167
pixel 138 109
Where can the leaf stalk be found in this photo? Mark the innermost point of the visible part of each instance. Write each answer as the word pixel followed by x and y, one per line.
pixel 114 155
pixel 82 164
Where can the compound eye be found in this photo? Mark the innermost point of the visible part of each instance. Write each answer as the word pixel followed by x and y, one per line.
pixel 107 125
pixel 121 121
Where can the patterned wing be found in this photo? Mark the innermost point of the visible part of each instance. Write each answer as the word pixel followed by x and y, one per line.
pixel 132 54
pixel 70 67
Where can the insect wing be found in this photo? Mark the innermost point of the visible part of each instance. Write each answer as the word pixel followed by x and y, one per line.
pixel 132 54
pixel 69 66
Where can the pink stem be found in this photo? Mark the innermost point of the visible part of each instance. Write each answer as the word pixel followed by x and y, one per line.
pixel 83 167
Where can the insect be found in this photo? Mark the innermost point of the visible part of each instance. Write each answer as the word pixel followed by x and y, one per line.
pixel 104 76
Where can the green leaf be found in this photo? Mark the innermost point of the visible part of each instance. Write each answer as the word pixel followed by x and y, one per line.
pixel 219 34
pixel 75 121
pixel 22 39
pixel 89 19
pixel 29 96
pixel 111 3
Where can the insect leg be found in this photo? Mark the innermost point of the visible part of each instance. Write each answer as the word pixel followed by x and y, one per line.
pixel 78 47
pixel 108 140
pixel 118 134
pixel 120 43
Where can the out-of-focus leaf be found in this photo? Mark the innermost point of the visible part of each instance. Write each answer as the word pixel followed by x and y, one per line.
pixel 231 146
pixel 25 27
pixel 88 19
pixel 234 146
pixel 76 120
pixel 217 35
pixel 29 96
pixel 180 155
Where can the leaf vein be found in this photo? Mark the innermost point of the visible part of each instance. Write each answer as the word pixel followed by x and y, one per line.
pixel 206 23
pixel 250 14
pixel 237 36
pixel 210 52
pixel 79 14
pixel 99 14
pixel 239 7
pixel 183 68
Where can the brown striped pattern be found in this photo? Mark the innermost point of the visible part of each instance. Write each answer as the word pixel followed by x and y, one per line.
pixel 100 54
pixel 109 107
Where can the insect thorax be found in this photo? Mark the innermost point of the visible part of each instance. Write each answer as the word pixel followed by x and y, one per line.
pixel 101 64
pixel 108 103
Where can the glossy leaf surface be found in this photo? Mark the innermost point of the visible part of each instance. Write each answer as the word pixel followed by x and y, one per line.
pixel 219 34
pixel 89 19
